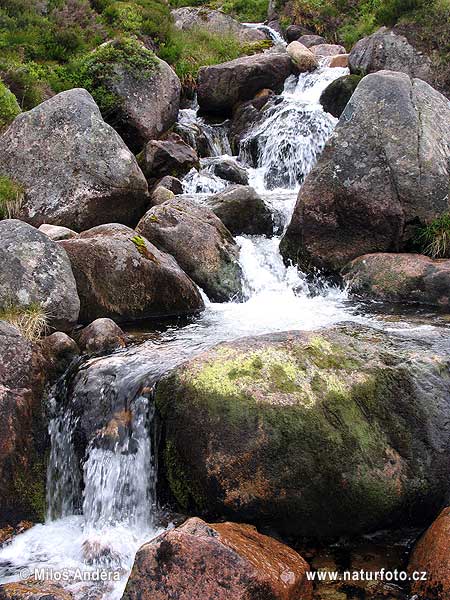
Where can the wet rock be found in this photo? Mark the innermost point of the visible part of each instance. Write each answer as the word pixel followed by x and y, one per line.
pixel 170 156
pixel 340 60
pixel 220 561
pixel 171 183
pixel 386 50
pixel 383 174
pixel 8 532
pixel 148 97
pixel 335 96
pixel 178 226
pixel 101 335
pixel 327 50
pixel 160 195
pixel 295 32
pixel 229 169
pixel 431 556
pixel 303 58
pixel 248 422
pixel 60 350
pixel 222 86
pixel 405 278
pixel 23 438
pixel 76 170
pixel 214 21
pixel 34 590
pixel 54 232
pixel 122 276
pixel 36 271
pixel 310 40
pixel 242 211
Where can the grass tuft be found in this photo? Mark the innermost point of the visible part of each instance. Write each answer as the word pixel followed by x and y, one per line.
pixel 434 239
pixel 11 198
pixel 31 321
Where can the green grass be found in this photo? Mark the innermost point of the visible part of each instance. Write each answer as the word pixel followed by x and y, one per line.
pixel 31 321
pixel 9 107
pixel 187 51
pixel 11 198
pixel 434 239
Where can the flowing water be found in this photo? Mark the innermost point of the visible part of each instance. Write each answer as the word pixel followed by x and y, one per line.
pixel 102 501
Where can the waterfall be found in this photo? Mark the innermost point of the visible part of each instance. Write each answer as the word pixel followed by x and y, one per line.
pixel 101 489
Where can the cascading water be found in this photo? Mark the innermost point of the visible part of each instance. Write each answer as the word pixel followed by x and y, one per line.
pixel 101 491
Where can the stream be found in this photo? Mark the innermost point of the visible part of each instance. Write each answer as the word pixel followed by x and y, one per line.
pixel 99 513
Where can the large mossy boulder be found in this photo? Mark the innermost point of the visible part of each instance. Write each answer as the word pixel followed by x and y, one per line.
pixel 384 173
pixel 36 271
pixel 220 561
pixel 199 242
pixel 120 275
pixel 138 92
pixel 387 50
pixel 402 278
pixel 221 87
pixel 74 168
pixel 23 438
pixel 321 434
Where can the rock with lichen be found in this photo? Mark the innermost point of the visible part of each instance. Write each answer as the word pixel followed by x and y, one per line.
pixel 319 434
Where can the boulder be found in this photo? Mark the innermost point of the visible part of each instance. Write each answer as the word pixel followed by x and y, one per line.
pixel 227 168
pixel 309 39
pixel 295 32
pixel 33 589
pixel 23 437
pixel 75 169
pixel 431 560
pixel 303 58
pixel 220 561
pixel 60 350
pixel 160 195
pixel 101 335
pixel 327 50
pixel 386 50
pixel 171 183
pixel 54 232
pixel 222 86
pixel 181 225
pixel 242 211
pixel 340 60
pixel 170 156
pixel 336 95
pixel 36 271
pixel 317 434
pixel 405 278
pixel 383 174
pixel 145 88
pixel 216 22
pixel 122 276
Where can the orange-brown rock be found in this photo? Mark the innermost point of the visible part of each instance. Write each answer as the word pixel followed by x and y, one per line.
pixel 432 555
pixel 34 590
pixel 220 561
pixel 340 60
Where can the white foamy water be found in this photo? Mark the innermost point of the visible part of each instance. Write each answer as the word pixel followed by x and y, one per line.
pixel 100 512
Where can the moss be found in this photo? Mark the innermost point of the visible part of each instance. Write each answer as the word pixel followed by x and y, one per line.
pixel 9 107
pixel 185 492
pixel 11 197
pixel 29 490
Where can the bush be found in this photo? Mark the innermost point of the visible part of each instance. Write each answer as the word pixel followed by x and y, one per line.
pixel 11 198
pixel 9 107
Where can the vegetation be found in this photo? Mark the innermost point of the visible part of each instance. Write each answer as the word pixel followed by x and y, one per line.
pixel 31 321
pixel 11 198
pixel 243 10
pixel 434 239
pixel 9 107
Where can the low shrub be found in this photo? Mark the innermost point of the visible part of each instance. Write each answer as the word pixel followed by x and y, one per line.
pixel 9 107
pixel 31 321
pixel 434 239
pixel 11 197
